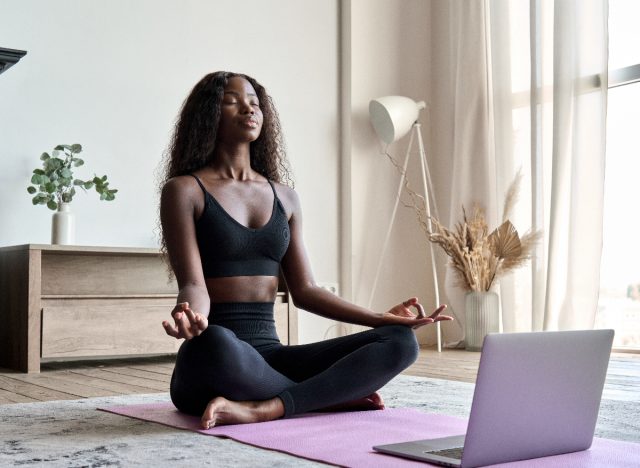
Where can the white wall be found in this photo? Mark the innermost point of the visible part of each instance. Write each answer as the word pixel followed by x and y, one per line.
pixel 389 55
pixel 112 75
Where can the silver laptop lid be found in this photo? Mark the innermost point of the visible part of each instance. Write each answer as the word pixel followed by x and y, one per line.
pixel 555 395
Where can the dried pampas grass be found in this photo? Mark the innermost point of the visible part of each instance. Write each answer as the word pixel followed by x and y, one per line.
pixel 479 258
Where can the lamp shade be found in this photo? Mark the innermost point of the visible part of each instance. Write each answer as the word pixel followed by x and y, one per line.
pixel 393 116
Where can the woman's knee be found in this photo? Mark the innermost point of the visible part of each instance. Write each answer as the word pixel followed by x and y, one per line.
pixel 206 352
pixel 216 334
pixel 404 343
pixel 215 363
pixel 211 341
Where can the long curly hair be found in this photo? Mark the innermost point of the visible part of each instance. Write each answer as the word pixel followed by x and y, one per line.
pixel 196 130
pixel 195 133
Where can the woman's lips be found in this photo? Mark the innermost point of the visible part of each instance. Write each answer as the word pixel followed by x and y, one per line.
pixel 251 123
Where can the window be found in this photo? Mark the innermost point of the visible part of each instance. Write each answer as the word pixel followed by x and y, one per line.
pixel 619 303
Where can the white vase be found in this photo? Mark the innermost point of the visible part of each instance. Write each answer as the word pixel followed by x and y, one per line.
pixel 63 226
pixel 482 316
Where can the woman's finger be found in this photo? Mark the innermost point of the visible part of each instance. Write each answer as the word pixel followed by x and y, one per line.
pixel 438 311
pixel 183 329
pixel 411 301
pixel 191 316
pixel 442 318
pixel 170 329
pixel 420 309
pixel 203 322
pixel 179 307
pixel 421 322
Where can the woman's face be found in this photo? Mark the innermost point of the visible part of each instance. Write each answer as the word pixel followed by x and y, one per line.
pixel 240 114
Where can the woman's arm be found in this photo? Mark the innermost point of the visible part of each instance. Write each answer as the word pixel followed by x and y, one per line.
pixel 309 296
pixel 178 208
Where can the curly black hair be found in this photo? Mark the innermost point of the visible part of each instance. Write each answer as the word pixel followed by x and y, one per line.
pixel 194 138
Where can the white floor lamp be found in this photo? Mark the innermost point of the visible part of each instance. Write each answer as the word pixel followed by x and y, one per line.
pixel 392 118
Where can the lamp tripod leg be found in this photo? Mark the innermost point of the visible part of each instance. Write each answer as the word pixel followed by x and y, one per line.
pixel 425 177
pixel 426 182
pixel 385 245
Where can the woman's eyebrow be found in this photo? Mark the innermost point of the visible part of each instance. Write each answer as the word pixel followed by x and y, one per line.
pixel 238 94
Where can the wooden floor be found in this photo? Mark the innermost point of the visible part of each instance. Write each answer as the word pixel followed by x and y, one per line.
pixel 86 379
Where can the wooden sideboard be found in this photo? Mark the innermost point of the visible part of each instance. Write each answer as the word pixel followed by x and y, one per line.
pixel 72 302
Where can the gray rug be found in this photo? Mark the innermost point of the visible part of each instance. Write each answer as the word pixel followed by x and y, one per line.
pixel 73 434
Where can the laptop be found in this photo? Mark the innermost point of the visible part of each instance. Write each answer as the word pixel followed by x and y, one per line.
pixel 536 395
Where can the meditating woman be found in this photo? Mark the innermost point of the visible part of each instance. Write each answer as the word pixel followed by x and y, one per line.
pixel 229 227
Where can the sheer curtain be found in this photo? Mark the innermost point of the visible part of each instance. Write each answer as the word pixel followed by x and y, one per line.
pixel 530 94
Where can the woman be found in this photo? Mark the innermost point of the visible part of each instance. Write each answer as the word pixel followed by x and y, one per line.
pixel 229 226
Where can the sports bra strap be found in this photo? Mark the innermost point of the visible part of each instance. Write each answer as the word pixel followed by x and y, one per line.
pixel 273 188
pixel 199 183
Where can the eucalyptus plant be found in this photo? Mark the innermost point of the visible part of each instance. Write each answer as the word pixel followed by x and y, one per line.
pixel 54 183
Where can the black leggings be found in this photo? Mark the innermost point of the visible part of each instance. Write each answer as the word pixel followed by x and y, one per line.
pixel 239 357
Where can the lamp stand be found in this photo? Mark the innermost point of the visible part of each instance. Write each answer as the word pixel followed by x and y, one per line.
pixel 428 191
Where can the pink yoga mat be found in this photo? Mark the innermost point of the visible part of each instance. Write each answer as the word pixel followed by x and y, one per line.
pixel 346 439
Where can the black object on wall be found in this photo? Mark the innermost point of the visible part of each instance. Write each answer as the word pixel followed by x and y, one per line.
pixel 9 57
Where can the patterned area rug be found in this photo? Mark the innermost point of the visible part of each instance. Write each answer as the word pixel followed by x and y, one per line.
pixel 73 434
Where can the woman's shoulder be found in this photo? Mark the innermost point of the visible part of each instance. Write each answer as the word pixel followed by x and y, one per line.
pixel 181 186
pixel 288 196
pixel 181 182
pixel 285 192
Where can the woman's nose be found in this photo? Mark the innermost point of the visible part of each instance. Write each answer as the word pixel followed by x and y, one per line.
pixel 247 108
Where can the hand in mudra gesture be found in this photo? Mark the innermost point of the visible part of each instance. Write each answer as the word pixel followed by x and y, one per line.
pixel 188 323
pixel 402 314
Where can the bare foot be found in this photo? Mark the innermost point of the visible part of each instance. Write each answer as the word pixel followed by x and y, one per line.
pixel 370 402
pixel 220 412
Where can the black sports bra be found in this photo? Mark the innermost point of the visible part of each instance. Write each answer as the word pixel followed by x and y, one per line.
pixel 228 248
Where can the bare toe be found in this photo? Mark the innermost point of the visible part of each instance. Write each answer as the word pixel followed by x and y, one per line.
pixel 377 400
pixel 209 416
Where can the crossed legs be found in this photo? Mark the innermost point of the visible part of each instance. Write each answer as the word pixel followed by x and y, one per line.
pixel 220 375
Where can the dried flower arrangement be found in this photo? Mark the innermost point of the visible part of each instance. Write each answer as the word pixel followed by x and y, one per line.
pixel 479 258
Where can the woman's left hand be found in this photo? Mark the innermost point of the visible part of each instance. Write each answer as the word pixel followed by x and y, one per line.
pixel 401 314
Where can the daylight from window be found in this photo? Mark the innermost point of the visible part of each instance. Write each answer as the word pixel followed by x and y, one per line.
pixel 619 303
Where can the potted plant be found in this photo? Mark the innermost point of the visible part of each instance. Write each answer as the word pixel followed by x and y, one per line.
pixel 54 185
pixel 479 257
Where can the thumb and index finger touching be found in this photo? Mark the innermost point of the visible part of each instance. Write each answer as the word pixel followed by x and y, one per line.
pixel 413 302
pixel 181 327
pixel 422 318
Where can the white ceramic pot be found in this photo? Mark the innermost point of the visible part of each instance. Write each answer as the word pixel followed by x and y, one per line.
pixel 482 316
pixel 63 226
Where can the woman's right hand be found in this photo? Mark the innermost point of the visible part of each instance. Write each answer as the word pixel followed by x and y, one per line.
pixel 188 323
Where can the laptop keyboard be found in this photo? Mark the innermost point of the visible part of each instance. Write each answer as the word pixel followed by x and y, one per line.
pixel 455 452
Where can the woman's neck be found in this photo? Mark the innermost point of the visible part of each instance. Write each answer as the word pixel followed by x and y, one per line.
pixel 233 162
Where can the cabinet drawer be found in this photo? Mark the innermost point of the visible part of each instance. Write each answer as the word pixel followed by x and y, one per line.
pixel 105 327
pixel 109 274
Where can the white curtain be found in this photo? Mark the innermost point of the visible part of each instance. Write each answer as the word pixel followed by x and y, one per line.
pixel 530 88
